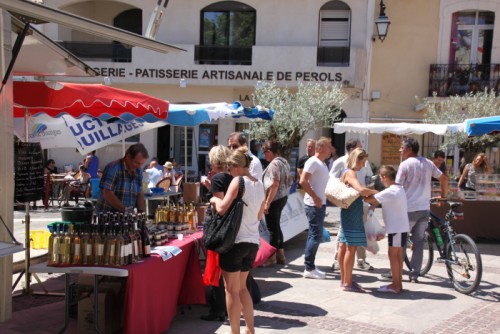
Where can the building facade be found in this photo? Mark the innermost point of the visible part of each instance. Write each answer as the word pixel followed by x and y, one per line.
pixel 434 48
pixel 230 47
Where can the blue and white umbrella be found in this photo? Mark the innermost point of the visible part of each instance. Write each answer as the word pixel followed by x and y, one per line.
pixel 196 114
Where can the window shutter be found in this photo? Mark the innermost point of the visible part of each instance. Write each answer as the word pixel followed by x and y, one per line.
pixel 334 30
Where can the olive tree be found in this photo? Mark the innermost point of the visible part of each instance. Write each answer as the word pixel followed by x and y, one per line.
pixel 456 109
pixel 312 106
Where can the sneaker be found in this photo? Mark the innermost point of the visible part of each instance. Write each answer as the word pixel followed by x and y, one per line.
pixel 362 264
pixel 314 274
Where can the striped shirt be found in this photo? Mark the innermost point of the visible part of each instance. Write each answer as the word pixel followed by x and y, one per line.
pixel 124 185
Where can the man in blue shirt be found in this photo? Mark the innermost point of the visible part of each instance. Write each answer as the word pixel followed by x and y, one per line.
pixel 92 164
pixel 121 182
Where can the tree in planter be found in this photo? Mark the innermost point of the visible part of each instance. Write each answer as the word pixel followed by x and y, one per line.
pixel 456 109
pixel 314 105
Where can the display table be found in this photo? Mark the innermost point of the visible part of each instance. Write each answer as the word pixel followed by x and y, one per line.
pixel 480 219
pixel 154 287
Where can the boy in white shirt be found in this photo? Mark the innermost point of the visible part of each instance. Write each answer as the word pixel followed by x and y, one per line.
pixel 395 214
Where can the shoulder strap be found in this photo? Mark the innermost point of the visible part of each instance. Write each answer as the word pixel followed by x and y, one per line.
pixel 241 189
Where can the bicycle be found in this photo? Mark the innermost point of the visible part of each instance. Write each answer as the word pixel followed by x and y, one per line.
pixel 458 251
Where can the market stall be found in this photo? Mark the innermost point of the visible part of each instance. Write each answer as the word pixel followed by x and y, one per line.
pixel 479 206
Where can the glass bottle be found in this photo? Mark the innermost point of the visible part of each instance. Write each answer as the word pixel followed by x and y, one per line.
pixel 109 245
pixel 158 214
pixel 127 245
pixel 119 248
pixel 146 242
pixel 76 249
pixel 190 218
pixel 86 242
pixel 133 242
pixel 138 236
pixel 98 249
pixel 54 246
pixel 65 247
pixel 173 215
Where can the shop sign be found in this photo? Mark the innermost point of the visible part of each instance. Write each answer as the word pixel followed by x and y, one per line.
pixel 390 149
pixel 194 74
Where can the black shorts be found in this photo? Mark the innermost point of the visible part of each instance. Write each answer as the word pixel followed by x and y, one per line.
pixel 397 239
pixel 239 258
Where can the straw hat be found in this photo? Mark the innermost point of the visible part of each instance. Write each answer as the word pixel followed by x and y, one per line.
pixel 168 165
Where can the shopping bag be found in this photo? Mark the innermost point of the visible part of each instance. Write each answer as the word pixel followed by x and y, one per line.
pixel 339 193
pixel 373 229
pixel 374 232
pixel 326 235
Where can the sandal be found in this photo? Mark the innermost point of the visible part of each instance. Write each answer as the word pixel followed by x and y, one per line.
pixel 354 288
pixel 387 289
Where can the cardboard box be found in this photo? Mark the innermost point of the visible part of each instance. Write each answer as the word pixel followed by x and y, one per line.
pixel 191 192
pixel 110 310
pixel 201 209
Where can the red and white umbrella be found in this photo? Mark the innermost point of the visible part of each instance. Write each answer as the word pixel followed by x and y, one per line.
pixel 103 102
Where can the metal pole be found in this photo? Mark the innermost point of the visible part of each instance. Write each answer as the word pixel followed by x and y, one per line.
pixel 27 220
pixel 185 155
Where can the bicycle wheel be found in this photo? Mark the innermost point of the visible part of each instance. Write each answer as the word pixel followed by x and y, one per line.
pixel 428 256
pixel 465 270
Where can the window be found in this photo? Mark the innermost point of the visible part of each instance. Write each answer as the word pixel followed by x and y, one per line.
pixel 227 34
pixel 471 37
pixel 180 148
pixel 93 48
pixel 334 34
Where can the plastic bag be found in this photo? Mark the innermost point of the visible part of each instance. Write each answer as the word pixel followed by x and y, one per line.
pixel 374 232
pixel 326 236
pixel 373 229
pixel 372 246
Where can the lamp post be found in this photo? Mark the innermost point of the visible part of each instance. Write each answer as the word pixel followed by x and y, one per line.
pixel 382 23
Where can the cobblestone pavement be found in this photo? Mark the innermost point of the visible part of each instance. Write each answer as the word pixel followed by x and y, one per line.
pixel 296 305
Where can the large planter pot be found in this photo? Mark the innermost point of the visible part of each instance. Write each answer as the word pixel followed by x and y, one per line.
pixel 77 214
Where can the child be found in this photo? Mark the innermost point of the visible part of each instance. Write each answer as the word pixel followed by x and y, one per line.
pixel 394 212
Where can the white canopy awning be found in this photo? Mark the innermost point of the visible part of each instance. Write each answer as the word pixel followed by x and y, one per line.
pixel 41 12
pixel 398 128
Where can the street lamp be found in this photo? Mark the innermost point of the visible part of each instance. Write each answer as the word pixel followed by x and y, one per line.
pixel 382 23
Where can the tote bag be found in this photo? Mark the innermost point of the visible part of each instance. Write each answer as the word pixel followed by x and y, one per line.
pixel 220 232
pixel 339 193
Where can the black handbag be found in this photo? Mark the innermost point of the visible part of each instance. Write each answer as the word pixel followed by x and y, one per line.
pixel 220 233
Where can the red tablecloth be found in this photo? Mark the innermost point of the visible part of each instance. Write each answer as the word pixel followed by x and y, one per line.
pixel 155 288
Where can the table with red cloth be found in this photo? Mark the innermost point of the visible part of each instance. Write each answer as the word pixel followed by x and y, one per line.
pixel 155 288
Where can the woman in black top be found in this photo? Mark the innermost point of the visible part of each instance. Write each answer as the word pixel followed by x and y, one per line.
pixel 217 184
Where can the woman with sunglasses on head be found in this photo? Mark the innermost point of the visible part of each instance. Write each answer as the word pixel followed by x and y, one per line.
pixel 277 181
pixel 352 230
pixel 238 261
